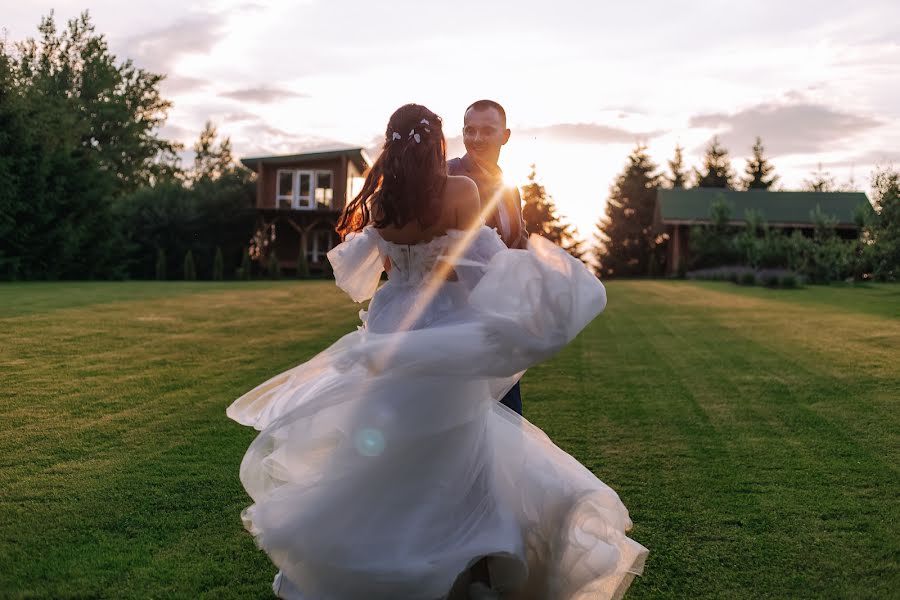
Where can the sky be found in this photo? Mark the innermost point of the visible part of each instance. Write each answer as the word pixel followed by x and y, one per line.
pixel 582 82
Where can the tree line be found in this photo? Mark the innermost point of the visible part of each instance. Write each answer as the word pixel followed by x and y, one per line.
pixel 88 187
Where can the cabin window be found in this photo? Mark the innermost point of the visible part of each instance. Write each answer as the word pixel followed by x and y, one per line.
pixel 295 189
pixel 285 194
pixel 304 189
pixel 324 190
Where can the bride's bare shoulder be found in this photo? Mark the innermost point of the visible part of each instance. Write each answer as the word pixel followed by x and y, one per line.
pixel 462 194
pixel 461 190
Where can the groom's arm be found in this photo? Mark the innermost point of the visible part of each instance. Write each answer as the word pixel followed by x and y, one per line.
pixel 522 241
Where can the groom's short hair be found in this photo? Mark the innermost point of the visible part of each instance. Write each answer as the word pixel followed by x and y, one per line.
pixel 486 104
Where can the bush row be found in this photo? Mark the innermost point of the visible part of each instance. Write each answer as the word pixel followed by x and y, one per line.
pixel 819 255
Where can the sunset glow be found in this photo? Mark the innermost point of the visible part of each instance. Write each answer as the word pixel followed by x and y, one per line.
pixel 582 82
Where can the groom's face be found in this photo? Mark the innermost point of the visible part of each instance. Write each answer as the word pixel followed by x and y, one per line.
pixel 484 133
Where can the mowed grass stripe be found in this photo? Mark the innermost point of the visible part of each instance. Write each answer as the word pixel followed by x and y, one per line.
pixel 748 470
pixel 875 299
pixel 35 297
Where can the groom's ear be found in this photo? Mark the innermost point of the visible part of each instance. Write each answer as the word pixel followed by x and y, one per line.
pixel 506 135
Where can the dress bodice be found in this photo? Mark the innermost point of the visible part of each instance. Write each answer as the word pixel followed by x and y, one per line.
pixel 407 300
pixel 412 263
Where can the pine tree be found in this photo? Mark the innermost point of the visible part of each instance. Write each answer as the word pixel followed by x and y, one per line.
pixel 627 244
pixel 716 167
pixel 759 170
pixel 218 265
pixel 678 179
pixel 211 162
pixel 820 181
pixel 190 271
pixel 541 217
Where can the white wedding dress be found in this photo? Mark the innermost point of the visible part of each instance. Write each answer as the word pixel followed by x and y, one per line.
pixel 386 466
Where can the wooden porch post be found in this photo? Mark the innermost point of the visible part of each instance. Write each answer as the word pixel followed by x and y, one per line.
pixel 675 243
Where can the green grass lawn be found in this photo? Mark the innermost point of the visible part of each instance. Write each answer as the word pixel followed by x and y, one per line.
pixel 753 434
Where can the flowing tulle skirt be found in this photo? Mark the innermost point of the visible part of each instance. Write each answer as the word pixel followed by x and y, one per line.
pixel 386 466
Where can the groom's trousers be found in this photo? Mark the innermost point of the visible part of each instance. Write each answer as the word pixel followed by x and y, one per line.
pixel 513 398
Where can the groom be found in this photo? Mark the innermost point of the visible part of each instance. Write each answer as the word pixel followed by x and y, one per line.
pixel 484 133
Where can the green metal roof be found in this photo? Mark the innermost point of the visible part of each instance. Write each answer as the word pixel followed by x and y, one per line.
pixel 693 205
pixel 357 155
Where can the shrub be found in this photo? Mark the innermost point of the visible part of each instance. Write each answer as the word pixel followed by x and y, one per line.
pixel 770 280
pixel 884 226
pixel 748 278
pixel 190 271
pixel 788 281
pixel 245 271
pixel 713 245
pixel 218 265
pixel 274 267
pixel 160 264
pixel 733 277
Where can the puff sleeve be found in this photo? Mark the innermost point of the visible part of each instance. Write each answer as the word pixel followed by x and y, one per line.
pixel 358 264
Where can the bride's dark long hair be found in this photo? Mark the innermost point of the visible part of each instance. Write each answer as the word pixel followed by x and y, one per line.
pixel 407 180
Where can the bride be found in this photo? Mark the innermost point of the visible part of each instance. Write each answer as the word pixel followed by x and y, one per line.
pixel 386 467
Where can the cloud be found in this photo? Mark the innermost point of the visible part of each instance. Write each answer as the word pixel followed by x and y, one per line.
pixel 263 94
pixel 877 157
pixel 177 133
pixel 269 141
pixel 238 117
pixel 587 133
pixel 864 159
pixel 795 127
pixel 251 7
pixel 159 50
pixel 176 84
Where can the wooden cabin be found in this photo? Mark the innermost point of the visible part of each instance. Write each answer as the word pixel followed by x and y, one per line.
pixel 299 198
pixel 677 210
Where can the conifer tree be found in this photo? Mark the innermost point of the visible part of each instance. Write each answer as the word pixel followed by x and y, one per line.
pixel 716 171
pixel 160 265
pixel 218 265
pixel 211 161
pixel 627 244
pixel 819 181
pixel 246 266
pixel 678 178
pixel 758 173
pixel 190 271
pixel 541 217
